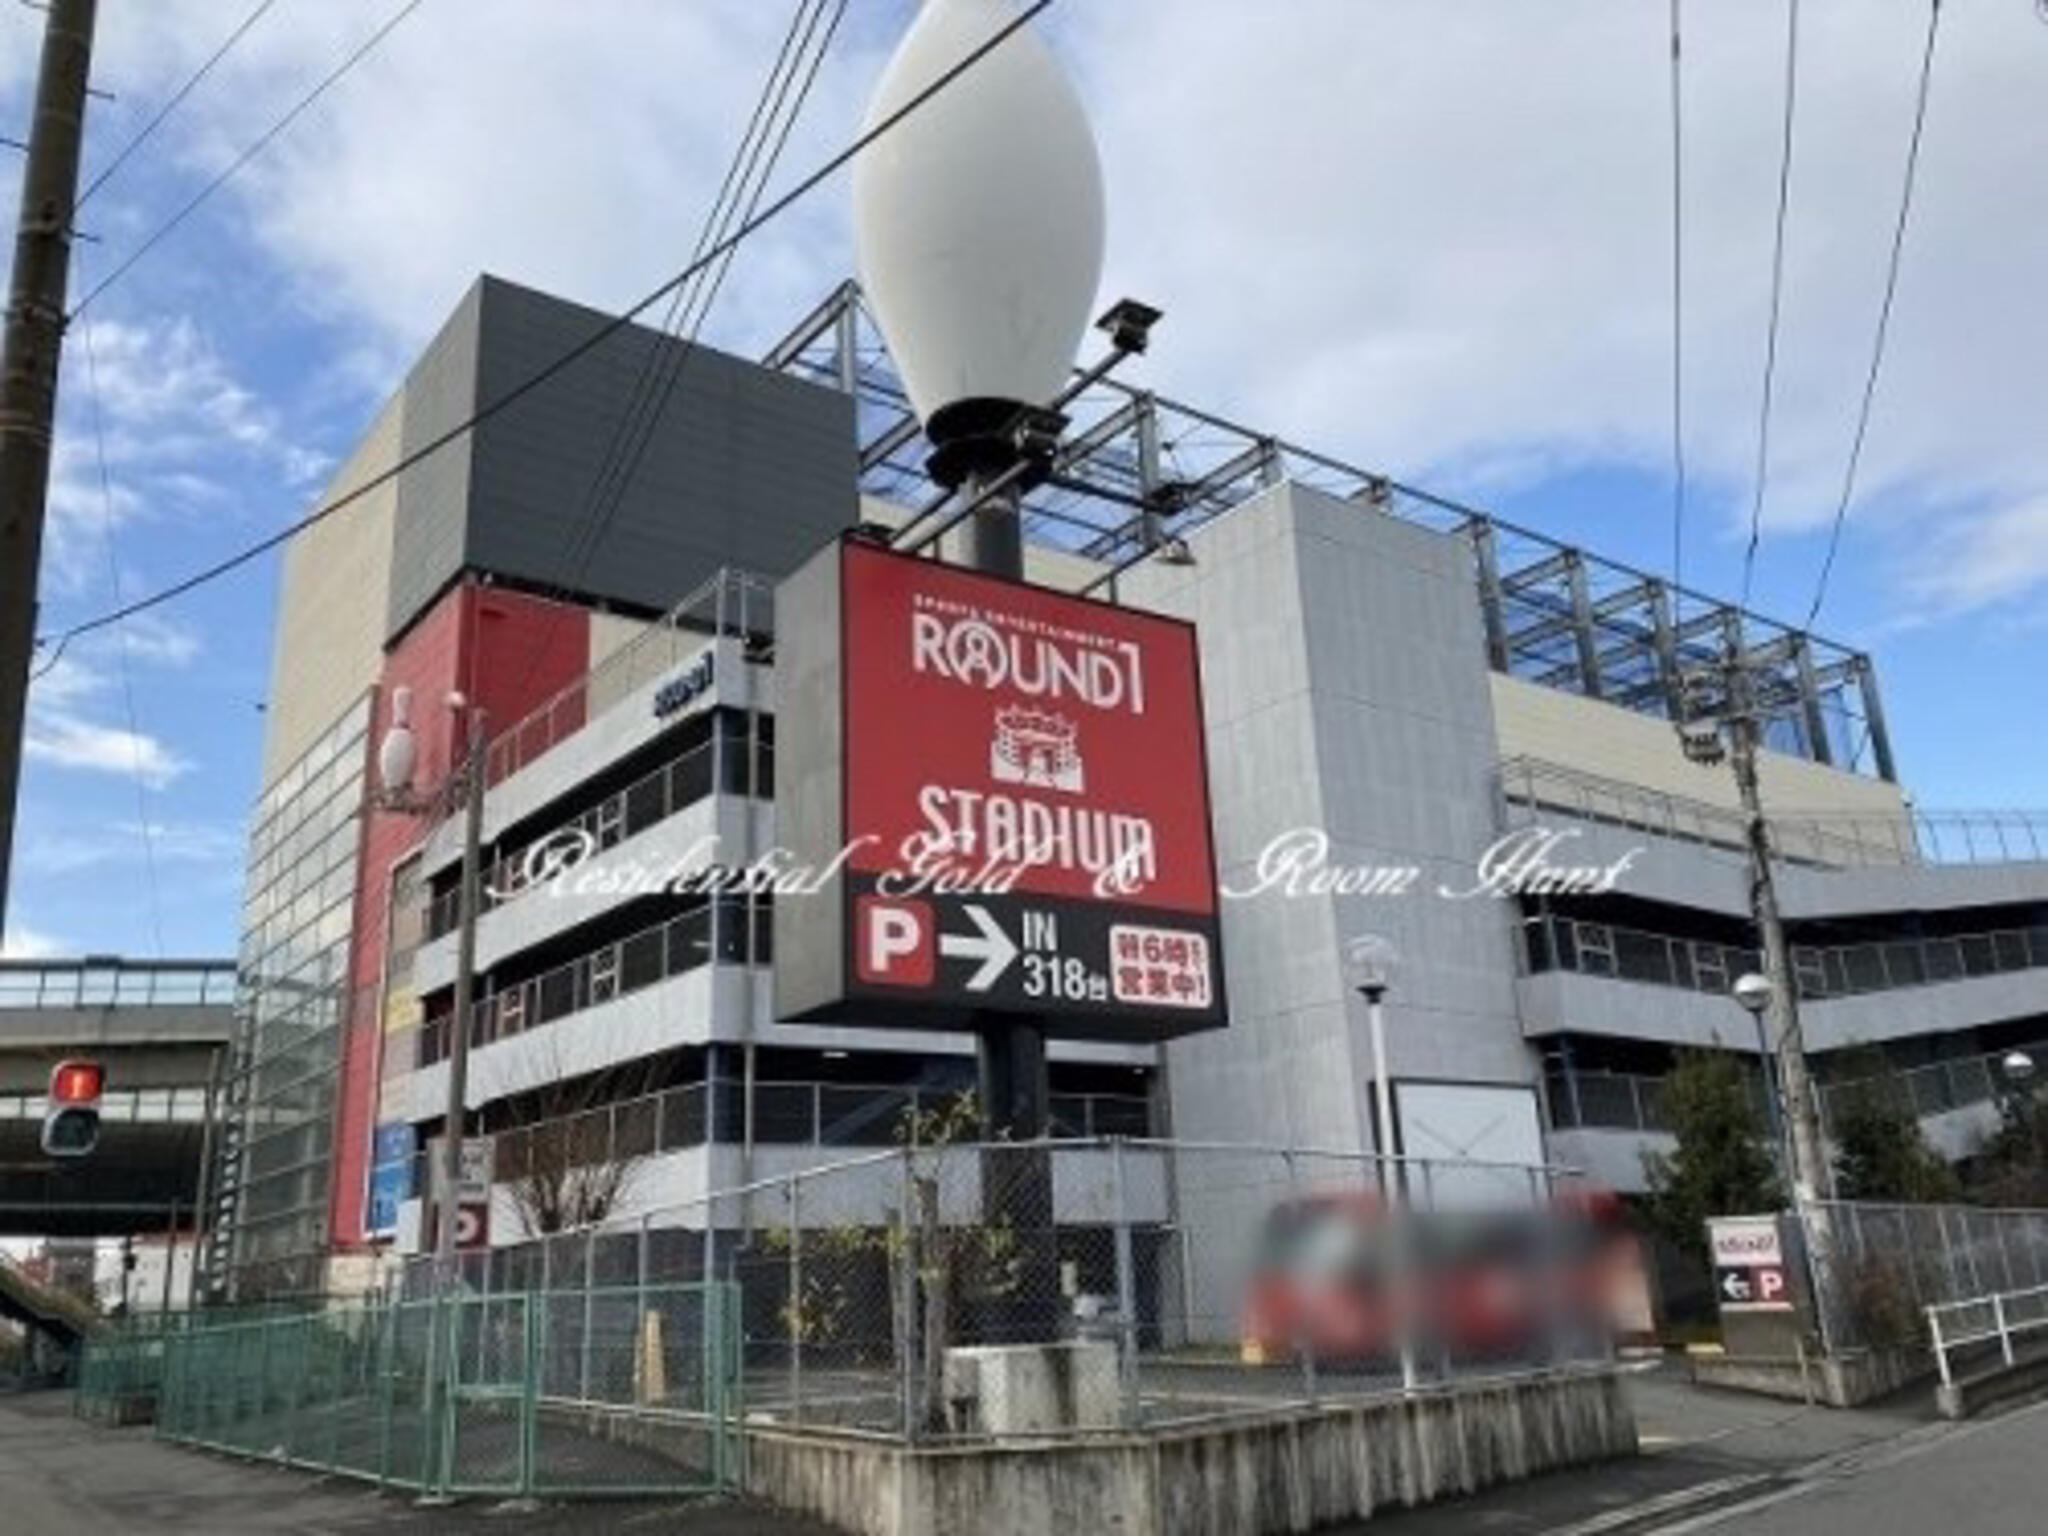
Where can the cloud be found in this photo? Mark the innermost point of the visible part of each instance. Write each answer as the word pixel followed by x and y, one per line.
pixel 177 426
pixel 67 741
pixel 25 943
pixel 1437 237
pixel 1992 557
pixel 1431 239
pixel 78 684
pixel 95 847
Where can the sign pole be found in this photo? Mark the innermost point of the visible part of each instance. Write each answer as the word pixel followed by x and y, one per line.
pixel 1011 1048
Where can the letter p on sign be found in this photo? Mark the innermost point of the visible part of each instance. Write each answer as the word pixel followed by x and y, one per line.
pixel 894 942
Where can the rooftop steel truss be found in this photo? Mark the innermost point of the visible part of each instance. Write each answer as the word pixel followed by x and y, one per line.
pixel 1137 465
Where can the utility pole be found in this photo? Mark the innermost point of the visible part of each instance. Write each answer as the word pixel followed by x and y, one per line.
pixel 1729 722
pixel 453 1132
pixel 28 370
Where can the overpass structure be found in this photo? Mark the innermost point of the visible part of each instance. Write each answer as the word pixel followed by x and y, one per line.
pixel 162 1029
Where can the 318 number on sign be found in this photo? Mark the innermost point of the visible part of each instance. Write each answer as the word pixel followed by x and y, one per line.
pixel 1068 979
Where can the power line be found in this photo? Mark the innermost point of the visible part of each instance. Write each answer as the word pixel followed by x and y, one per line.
pixel 604 332
pixel 748 179
pixel 172 104
pixel 1763 425
pixel 745 180
pixel 143 825
pixel 1884 313
pixel 255 148
pixel 1677 312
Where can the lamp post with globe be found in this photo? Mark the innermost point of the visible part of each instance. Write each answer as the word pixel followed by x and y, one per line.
pixel 2017 1068
pixel 1753 991
pixel 1370 961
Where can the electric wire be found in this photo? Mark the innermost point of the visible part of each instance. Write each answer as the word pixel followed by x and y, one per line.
pixel 611 327
pixel 739 194
pixel 144 827
pixel 171 105
pixel 1763 424
pixel 256 147
pixel 1884 313
pixel 1677 312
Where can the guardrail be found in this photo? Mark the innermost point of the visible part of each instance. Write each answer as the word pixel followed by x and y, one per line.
pixel 142 1106
pixel 1826 839
pixel 1979 1320
pixel 107 981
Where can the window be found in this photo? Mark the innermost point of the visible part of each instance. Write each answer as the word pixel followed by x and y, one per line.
pixel 608 821
pixel 1709 968
pixel 689 941
pixel 646 803
pixel 512 1011
pixel 604 974
pixel 640 960
pixel 1596 948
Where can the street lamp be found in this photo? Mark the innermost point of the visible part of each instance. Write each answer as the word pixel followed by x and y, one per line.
pixel 397 756
pixel 1370 961
pixel 1756 994
pixel 2018 1068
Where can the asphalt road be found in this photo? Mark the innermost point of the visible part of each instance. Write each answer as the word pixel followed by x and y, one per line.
pixel 1977 1479
pixel 1713 1462
pixel 59 1477
pixel 1699 1445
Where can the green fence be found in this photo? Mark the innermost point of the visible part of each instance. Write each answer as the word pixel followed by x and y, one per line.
pixel 626 1390
pixel 121 1366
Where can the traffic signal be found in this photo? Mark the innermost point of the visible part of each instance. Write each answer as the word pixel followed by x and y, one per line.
pixel 71 1121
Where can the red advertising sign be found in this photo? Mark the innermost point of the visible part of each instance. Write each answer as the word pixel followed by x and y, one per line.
pixel 1026 805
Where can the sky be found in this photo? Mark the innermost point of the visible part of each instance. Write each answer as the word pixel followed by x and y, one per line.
pixel 1431 239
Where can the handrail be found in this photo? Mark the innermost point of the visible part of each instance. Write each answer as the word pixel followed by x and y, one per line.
pixel 107 980
pixel 2003 1326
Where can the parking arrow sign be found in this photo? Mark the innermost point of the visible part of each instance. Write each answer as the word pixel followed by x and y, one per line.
pixel 1735 1284
pixel 992 946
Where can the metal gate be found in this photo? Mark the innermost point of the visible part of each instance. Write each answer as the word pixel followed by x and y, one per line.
pixel 631 1389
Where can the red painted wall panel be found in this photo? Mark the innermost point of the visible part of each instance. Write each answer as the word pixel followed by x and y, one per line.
pixel 508 652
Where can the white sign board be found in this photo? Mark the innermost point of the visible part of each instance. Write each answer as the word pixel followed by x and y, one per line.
pixel 1743 1242
pixel 1476 1144
pixel 1749 1264
pixel 479 1169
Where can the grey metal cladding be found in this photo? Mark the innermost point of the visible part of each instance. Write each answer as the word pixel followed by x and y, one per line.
pixel 428 530
pixel 744 467
pixel 810 811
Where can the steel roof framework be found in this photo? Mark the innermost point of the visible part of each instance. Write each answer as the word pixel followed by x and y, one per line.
pixel 1137 466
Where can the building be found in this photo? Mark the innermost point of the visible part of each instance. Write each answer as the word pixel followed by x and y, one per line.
pixel 1394 686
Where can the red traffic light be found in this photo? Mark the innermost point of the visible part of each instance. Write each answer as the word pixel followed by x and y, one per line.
pixel 77 1082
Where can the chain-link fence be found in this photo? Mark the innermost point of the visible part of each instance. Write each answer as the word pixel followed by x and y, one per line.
pixel 1878 1267
pixel 1176 1282
pixel 584 1389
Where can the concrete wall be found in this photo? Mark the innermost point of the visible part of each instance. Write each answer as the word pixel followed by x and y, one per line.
pixel 1572 1002
pixel 1292 1472
pixel 1346 692
pixel 329 640
pixel 1603 739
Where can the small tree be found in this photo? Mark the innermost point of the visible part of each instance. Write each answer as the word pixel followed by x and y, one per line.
pixel 1880 1152
pixel 572 1165
pixel 2010 1166
pixel 954 1266
pixel 1722 1163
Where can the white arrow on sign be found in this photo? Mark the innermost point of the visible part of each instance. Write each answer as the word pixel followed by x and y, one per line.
pixel 1735 1286
pixel 992 947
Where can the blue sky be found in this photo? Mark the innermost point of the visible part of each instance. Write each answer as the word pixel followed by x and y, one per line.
pixel 1431 240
